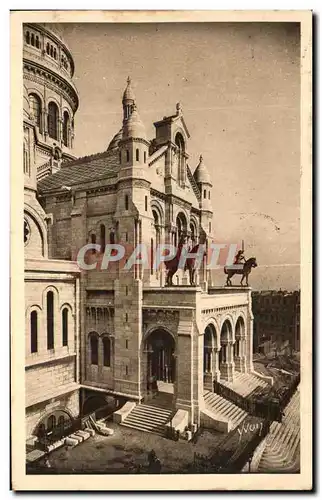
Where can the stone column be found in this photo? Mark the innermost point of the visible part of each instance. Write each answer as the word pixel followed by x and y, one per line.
pixel 240 360
pixel 227 366
pixel 215 365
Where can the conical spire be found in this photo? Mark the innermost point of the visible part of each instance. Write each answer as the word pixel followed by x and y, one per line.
pixel 201 173
pixel 133 127
pixel 128 94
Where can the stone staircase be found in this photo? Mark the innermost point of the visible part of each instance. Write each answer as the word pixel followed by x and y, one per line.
pixel 282 450
pixel 148 418
pixel 223 409
pixel 245 384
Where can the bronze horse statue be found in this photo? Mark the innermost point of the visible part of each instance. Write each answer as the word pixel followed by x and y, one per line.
pixel 173 264
pixel 243 269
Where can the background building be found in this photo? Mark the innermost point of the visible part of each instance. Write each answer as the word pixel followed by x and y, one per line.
pixel 276 320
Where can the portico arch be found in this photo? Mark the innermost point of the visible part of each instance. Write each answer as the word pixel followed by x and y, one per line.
pixel 210 356
pixel 159 346
pixel 226 364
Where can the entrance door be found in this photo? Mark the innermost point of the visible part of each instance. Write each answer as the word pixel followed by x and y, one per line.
pixel 161 359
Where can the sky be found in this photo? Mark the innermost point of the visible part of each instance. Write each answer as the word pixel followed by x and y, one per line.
pixel 239 87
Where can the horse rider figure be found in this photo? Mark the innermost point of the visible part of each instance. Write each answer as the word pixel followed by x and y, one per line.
pixel 239 258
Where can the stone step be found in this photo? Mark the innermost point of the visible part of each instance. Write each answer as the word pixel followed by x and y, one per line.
pixel 224 409
pixel 281 453
pixel 148 423
pixel 148 418
pixel 143 429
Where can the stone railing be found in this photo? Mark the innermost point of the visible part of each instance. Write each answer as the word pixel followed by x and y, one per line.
pixel 245 404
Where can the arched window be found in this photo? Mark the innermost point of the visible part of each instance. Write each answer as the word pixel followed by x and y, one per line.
pixel 53 120
pixel 208 195
pixel 112 237
pixel 61 422
pixel 34 331
pixel 120 156
pixel 37 42
pixel 103 243
pixel 146 203
pixel 209 227
pixel 204 193
pixel 32 39
pixel 52 51
pixel 106 351
pixel 144 154
pixel 35 108
pixel 65 326
pixel 47 48
pixel 50 320
pixel 55 54
pixel 127 155
pixel 27 37
pixel 94 349
pixel 126 202
pixel 181 158
pixel 51 423
pixel 66 122
pixel 137 154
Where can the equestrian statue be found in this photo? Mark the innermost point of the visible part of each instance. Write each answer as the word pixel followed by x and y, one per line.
pixel 240 266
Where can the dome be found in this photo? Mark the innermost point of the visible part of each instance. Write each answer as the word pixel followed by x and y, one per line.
pixel 133 127
pixel 128 94
pixel 115 141
pixel 201 173
pixel 26 104
pixel 56 29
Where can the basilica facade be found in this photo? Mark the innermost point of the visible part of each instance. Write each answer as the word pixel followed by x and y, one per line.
pixel 98 336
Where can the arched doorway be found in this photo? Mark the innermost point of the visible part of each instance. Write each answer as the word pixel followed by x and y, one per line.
pixel 208 350
pixel 160 347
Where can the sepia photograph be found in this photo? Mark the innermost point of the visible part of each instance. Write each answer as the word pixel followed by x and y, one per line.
pixel 165 167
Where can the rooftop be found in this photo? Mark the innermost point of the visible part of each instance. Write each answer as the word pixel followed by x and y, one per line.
pixel 87 169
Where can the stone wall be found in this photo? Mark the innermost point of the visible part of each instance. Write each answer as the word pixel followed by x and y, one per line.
pixel 36 413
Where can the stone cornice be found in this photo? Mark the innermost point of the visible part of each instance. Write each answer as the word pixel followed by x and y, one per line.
pixel 55 39
pixel 59 83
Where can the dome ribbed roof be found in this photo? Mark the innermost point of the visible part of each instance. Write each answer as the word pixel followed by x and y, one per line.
pixel 26 104
pixel 201 173
pixel 133 127
pixel 128 94
pixel 115 141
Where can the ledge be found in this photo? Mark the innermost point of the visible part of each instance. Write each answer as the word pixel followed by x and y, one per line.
pixel 52 265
